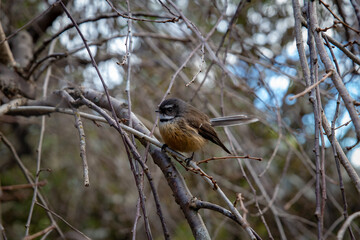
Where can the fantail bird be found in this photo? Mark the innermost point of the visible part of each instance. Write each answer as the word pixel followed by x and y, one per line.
pixel 186 129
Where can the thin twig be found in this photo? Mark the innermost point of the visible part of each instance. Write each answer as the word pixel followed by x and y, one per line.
pixel 40 233
pixel 199 204
pixel 128 45
pixel 22 186
pixel 200 67
pixel 39 149
pixel 228 157
pixel 346 224
pixel 79 126
pixel 308 89
pixel 137 217
pixel 62 219
pixel 172 81
pixel 5 50
pixel 278 142
pixel 2 230
pixel 335 16
pixel 303 190
pixel 322 159
pixel 277 187
pixel 130 17
pixel 239 199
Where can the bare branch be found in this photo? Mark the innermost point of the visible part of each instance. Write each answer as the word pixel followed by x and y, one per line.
pixel 308 89
pixel 346 224
pixel 6 56
pixel 62 219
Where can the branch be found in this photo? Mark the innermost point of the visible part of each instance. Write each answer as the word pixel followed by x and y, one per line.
pixel 79 126
pixel 228 157
pixel 13 103
pixel 6 56
pixel 62 219
pixel 22 186
pixel 198 204
pixel 40 233
pixel 308 89
pixel 39 148
pixel 346 224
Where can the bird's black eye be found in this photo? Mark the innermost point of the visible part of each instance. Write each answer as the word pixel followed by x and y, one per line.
pixel 169 108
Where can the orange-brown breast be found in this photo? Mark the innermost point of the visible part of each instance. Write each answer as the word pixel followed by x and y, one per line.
pixel 180 136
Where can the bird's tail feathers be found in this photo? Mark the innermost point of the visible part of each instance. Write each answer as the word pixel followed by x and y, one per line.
pixel 232 120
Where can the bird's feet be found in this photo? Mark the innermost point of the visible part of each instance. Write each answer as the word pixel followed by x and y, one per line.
pixel 188 160
pixel 163 147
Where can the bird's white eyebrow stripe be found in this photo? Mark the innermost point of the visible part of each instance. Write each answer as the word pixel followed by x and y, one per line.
pixel 169 106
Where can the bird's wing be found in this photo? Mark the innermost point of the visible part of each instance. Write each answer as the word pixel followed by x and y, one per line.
pixel 208 132
pixel 203 126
